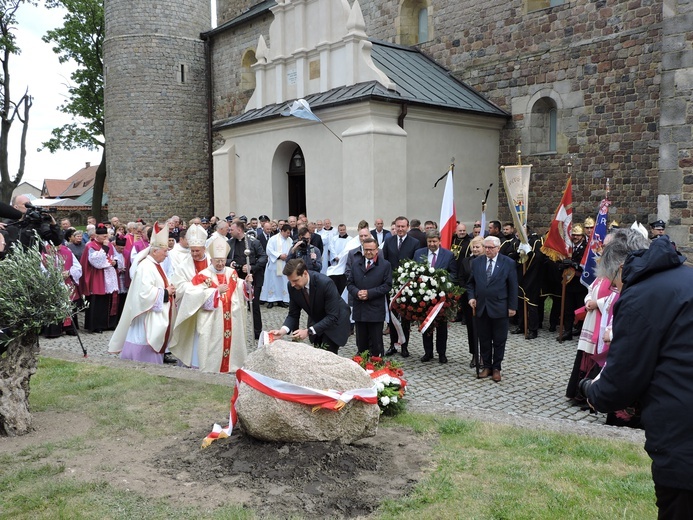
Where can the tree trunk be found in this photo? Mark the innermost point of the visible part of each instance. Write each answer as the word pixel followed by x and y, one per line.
pixel 17 365
pixel 99 183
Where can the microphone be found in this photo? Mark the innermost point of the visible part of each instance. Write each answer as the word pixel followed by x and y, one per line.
pixel 7 211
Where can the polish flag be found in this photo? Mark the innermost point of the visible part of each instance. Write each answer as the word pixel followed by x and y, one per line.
pixel 448 218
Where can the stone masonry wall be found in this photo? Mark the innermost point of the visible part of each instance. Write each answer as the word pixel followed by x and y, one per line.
pixel 599 60
pixel 156 118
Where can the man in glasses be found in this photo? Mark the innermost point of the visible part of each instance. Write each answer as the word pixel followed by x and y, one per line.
pixel 493 294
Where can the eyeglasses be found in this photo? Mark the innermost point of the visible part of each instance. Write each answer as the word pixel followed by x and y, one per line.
pixel 369 250
pixel 490 247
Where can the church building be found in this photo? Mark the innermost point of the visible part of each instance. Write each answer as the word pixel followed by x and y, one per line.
pixel 402 88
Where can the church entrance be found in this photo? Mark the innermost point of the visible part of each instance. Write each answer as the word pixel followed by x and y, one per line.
pixel 297 183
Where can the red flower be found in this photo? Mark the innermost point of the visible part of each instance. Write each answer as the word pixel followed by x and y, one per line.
pixel 434 301
pixel 422 304
pixel 376 359
pixel 370 366
pixel 358 359
pixel 410 308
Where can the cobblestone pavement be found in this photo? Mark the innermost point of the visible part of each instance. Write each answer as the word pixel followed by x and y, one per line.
pixel 535 373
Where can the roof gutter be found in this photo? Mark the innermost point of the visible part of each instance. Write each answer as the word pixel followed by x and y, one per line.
pixel 402 115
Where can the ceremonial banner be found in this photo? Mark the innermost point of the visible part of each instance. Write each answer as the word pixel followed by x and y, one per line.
pixel 594 246
pixel 558 245
pixel 516 183
pixel 448 218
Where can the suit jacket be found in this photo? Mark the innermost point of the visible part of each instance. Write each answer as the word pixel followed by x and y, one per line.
pixel 261 238
pixel 394 255
pixel 377 280
pixel 327 313
pixel 386 234
pixel 419 235
pixel 499 295
pixel 316 240
pixel 444 260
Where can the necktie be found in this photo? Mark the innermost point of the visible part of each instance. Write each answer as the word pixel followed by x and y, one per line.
pixel 368 264
pixel 489 270
pixel 399 245
pixel 433 260
pixel 306 296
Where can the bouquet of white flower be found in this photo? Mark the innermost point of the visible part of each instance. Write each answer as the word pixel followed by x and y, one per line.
pixel 421 291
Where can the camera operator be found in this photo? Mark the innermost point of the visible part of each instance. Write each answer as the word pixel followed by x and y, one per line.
pixel 26 219
pixel 309 254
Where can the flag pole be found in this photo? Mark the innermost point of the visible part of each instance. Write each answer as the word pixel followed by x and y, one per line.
pixel 524 265
pixel 565 278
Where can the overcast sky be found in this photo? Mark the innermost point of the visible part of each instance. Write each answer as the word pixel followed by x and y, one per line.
pixel 38 69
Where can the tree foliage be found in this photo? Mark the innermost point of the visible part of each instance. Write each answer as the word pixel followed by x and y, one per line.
pixel 80 40
pixel 10 110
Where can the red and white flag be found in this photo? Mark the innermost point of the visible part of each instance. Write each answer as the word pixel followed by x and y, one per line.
pixel 558 245
pixel 448 218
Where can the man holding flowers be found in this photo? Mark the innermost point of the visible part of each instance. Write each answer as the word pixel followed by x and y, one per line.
pixel 440 259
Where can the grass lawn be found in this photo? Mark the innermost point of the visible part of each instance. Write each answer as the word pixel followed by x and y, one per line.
pixel 480 470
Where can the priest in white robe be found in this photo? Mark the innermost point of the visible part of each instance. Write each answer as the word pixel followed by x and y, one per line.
pixel 145 326
pixel 215 308
pixel 274 288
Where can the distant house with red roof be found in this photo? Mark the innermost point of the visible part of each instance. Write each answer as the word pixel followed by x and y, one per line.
pixel 71 188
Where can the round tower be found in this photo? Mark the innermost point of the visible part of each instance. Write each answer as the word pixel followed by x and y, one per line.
pixel 155 109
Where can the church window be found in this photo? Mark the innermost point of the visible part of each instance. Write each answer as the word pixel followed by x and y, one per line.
pixel 413 23
pixel 247 73
pixel 544 126
pixel 536 5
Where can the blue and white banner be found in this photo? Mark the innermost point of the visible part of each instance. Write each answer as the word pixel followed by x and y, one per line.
pixel 595 244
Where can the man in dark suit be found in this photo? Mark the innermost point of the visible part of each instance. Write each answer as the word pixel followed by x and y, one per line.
pixel 416 233
pixel 264 235
pixel 328 314
pixel 369 280
pixel 396 249
pixel 257 260
pixel 379 233
pixel 492 290
pixel 440 258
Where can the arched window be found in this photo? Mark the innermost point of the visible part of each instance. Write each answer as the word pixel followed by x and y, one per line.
pixel 544 126
pixel 414 24
pixel 247 73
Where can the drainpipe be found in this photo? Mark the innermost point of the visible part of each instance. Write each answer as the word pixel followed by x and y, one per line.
pixel 402 115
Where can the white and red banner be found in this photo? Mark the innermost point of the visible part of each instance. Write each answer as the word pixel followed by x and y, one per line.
pixel 448 218
pixel 558 244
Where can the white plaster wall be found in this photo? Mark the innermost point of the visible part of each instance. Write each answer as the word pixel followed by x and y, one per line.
pixel 379 170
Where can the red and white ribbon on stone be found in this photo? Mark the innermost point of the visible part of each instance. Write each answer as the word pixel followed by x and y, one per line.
pixel 328 399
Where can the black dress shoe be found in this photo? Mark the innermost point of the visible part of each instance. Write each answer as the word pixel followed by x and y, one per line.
pixel 518 330
pixel 442 359
pixel 283 305
pixel 567 336
pixel 391 351
pixel 426 358
pixel 169 359
pixel 552 328
pixel 531 335
pixel 270 305
pixel 405 352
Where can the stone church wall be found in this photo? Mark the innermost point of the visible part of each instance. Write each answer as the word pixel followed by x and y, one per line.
pixel 598 62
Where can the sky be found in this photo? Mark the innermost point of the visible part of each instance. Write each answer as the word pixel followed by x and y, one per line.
pixel 38 68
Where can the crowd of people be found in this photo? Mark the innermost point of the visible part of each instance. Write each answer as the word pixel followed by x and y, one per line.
pixel 182 291
pixel 179 292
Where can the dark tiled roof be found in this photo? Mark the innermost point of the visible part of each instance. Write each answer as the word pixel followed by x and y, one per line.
pixel 249 14
pixel 418 79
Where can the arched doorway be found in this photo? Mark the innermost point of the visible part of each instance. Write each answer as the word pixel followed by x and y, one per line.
pixel 297 183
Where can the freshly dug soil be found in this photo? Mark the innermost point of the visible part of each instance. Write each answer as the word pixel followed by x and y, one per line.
pixel 305 480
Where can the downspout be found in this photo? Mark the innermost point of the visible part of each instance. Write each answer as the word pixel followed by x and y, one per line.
pixel 208 87
pixel 402 115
